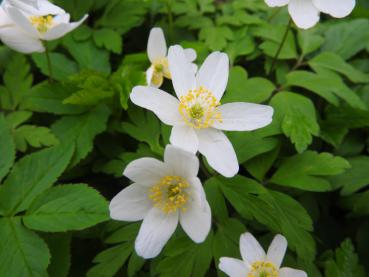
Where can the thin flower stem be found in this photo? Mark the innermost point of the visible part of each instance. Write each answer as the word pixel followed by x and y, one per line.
pixel 280 47
pixel 47 53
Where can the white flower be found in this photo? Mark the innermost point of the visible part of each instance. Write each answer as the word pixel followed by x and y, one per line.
pixel 305 13
pixel 157 52
pixel 258 264
pixel 197 117
pixel 25 25
pixel 163 194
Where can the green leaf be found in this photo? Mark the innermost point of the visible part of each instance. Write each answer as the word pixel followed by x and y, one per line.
pixel 7 148
pixel 34 136
pixel 327 85
pixel 345 263
pixel 65 208
pixel 88 55
pixel 216 37
pixel 62 67
pixel 109 39
pixel 307 171
pixel 48 98
pixel 332 61
pixel 182 257
pixel 31 175
pixel 110 260
pixel 355 178
pixel 22 252
pixel 297 116
pixel 260 165
pixel 241 89
pixel 16 118
pixel 81 130
pixel 145 127
pixel 280 212
pixel 309 41
pixel 59 245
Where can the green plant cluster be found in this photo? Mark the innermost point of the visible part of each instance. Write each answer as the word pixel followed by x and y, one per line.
pixel 64 144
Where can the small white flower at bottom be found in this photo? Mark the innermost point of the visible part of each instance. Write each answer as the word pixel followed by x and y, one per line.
pixel 257 263
pixel 163 194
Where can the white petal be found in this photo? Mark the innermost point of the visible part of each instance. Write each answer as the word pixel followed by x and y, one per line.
pixel 149 74
pixel 196 219
pixel 46 7
pixel 184 137
pixel 304 13
pixel 61 18
pixel 131 204
pixel 277 3
pixel 62 29
pixel 4 19
pixel 16 39
pixel 181 70
pixel 336 8
pixel 251 250
pixel 156 45
pixel 164 105
pixel 243 116
pixel 218 150
pixel 233 267
pixel 277 250
pixel 38 8
pixel 290 272
pixel 213 74
pixel 147 171
pixel 183 163
pixel 190 54
pixel 22 22
pixel 155 231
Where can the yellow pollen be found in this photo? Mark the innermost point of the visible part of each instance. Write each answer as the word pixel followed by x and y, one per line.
pixel 170 194
pixel 263 269
pixel 42 23
pixel 199 108
pixel 161 71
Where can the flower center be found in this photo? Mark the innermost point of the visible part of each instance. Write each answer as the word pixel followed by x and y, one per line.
pixel 161 70
pixel 263 269
pixel 42 23
pixel 199 108
pixel 170 194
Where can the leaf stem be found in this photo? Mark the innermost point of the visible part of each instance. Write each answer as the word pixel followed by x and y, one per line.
pixel 170 18
pixel 280 46
pixel 47 53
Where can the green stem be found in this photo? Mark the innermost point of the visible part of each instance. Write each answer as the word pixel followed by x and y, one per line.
pixel 47 52
pixel 280 46
pixel 170 18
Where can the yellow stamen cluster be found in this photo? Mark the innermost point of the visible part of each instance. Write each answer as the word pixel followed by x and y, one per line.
pixel 263 269
pixel 199 108
pixel 170 194
pixel 160 70
pixel 42 23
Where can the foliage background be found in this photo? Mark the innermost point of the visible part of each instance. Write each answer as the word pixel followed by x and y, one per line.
pixel 64 145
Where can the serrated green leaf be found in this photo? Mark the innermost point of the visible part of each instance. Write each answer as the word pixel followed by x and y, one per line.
pixel 31 175
pixel 34 136
pixel 109 39
pixel 309 41
pixel 7 148
pixel 216 37
pixel 22 252
pixel 81 130
pixel 297 116
pixel 16 118
pixel 307 171
pixel 65 208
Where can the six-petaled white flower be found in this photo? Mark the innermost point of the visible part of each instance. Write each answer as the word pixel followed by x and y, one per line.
pixel 157 52
pixel 163 194
pixel 197 116
pixel 257 263
pixel 305 13
pixel 25 25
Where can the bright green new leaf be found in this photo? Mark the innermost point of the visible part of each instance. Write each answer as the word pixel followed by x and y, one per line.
pixel 109 39
pixel 297 116
pixel 16 118
pixel 65 208
pixel 22 252
pixel 34 136
pixel 307 171
pixel 216 37
pixel 81 130
pixel 31 175
pixel 7 147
